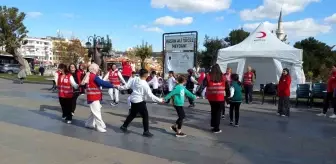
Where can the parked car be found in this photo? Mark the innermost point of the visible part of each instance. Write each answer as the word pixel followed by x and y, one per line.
pixel 9 68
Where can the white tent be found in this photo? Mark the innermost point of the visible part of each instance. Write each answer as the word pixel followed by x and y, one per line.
pixel 265 53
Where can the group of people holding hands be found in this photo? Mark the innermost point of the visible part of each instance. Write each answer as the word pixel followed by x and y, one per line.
pixel 220 89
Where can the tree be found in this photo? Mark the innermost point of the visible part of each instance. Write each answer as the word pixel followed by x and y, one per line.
pixel 236 36
pixel 209 56
pixel 12 33
pixel 70 51
pixel 317 57
pixel 143 51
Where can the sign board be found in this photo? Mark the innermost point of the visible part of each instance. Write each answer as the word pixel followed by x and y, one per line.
pixel 179 62
pixel 180 43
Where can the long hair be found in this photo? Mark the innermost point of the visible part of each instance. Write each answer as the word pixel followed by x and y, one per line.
pixel 64 68
pixel 254 73
pixel 216 74
pixel 287 70
pixel 73 65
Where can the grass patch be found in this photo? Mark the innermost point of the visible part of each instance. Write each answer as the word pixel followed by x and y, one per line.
pixel 30 78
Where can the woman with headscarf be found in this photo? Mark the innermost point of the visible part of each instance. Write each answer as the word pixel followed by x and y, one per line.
pixel 284 93
pixel 66 85
pixel 94 96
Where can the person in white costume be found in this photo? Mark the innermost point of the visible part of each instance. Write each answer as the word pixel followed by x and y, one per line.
pixel 115 78
pixel 94 96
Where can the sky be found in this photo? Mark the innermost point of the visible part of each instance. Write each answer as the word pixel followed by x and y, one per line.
pixel 129 22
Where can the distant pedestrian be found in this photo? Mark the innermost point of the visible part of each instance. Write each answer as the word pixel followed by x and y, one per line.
pixel 284 93
pixel 22 74
pixel 248 81
pixel 235 99
pixel 41 70
pixel 179 93
pixel 331 94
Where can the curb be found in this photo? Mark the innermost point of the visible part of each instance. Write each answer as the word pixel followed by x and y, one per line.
pixel 29 82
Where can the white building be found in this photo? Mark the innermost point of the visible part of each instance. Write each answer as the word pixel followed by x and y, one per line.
pixel 39 48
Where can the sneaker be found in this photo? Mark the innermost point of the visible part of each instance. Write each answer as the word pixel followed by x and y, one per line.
pixel 113 104
pixel 123 129
pixel 332 116
pixel 223 117
pixel 173 128
pixel 68 122
pixel 72 113
pixel 147 134
pixel 216 131
pixel 99 129
pixel 180 135
pixel 321 114
pixel 231 123
pixel 283 115
pixel 236 125
pixel 63 117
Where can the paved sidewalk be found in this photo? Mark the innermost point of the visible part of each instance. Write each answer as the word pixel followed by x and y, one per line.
pixel 30 116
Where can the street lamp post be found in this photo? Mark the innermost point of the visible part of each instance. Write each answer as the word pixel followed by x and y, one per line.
pixel 98 44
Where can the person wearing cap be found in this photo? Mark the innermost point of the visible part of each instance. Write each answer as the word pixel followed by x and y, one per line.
pixel 191 81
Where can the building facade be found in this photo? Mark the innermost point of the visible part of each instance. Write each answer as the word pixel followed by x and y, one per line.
pixel 39 48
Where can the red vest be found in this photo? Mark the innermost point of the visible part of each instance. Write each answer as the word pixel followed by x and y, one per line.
pixel 114 78
pixel 64 86
pixel 93 91
pixel 248 76
pixel 215 91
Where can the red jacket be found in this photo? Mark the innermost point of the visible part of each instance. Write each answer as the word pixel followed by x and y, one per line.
pixel 284 86
pixel 126 69
pixel 331 82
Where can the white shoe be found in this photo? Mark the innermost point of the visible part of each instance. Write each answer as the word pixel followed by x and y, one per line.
pixel 68 122
pixel 332 116
pixel 102 130
pixel 321 114
pixel 113 104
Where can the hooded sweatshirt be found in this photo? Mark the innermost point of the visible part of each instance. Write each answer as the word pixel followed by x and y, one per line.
pixel 140 89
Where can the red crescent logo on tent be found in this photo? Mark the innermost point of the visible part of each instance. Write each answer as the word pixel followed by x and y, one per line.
pixel 263 34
